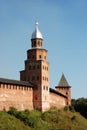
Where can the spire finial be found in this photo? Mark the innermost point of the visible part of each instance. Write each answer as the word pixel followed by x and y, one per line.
pixel 36 33
pixel 36 24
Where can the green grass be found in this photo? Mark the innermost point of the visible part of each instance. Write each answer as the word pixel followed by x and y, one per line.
pixel 50 120
pixel 8 122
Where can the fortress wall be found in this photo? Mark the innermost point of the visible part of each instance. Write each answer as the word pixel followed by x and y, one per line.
pixel 20 97
pixel 57 100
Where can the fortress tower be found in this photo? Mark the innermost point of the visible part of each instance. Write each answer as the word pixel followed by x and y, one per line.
pixel 37 71
pixel 64 88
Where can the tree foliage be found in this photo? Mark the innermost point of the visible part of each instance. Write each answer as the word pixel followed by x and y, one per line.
pixel 80 105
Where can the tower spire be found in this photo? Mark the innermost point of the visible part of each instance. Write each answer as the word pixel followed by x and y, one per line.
pixel 36 33
pixel 63 82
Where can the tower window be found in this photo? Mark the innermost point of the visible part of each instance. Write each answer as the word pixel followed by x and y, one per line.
pixel 33 56
pixel 41 43
pixel 66 93
pixel 40 56
pixel 34 44
pixel 34 67
pixel 43 87
pixel 38 43
pixel 43 66
pixel 37 77
pixel 30 67
pixel 38 67
pixel 33 78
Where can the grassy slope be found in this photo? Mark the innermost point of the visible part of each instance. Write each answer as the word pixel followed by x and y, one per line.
pixel 8 122
pixel 51 120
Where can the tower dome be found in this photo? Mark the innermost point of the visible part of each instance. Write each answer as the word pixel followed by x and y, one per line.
pixel 36 33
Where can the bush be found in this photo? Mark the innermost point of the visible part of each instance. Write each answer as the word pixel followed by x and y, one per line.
pixel 50 116
pixel 66 108
pixel 71 108
pixel 13 111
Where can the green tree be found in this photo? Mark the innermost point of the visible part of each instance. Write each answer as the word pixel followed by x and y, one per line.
pixel 80 105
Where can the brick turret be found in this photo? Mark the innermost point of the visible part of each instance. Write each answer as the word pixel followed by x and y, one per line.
pixel 64 88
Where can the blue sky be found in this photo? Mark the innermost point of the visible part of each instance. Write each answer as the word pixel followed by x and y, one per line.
pixel 63 24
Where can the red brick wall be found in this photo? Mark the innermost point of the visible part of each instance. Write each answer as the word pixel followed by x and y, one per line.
pixel 18 96
pixel 57 101
pixel 66 91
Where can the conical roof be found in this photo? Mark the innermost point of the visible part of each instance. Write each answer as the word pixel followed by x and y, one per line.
pixel 63 82
pixel 36 33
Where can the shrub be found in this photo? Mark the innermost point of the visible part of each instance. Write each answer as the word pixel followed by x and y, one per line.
pixel 66 108
pixel 13 111
pixel 71 108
